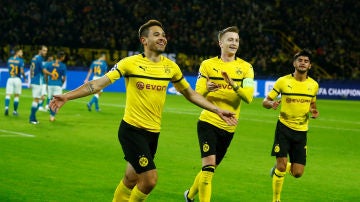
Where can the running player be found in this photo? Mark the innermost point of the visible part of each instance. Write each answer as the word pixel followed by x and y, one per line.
pixel 298 102
pixel 147 76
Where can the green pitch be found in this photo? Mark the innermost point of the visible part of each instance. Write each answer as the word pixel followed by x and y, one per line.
pixel 78 157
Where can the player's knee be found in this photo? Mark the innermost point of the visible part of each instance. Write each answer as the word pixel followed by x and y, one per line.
pixel 281 167
pixel 296 173
pixel 148 179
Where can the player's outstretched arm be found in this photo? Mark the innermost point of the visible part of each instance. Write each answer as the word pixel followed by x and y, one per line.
pixel 199 100
pixel 84 90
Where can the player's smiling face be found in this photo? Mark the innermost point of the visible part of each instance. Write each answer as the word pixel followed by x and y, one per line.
pixel 229 42
pixel 302 64
pixel 156 40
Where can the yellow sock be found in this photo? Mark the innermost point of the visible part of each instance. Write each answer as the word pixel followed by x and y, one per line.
pixel 137 195
pixel 277 183
pixel 195 187
pixel 122 193
pixel 205 184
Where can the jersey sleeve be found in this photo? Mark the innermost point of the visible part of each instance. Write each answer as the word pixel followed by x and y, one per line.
pixel 117 71
pixel 178 79
pixel 22 63
pixel 201 80
pixel 250 72
pixel 275 91
pixel 315 93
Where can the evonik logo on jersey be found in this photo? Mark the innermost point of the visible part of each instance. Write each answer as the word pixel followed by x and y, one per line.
pixel 224 86
pixel 141 86
pixel 297 100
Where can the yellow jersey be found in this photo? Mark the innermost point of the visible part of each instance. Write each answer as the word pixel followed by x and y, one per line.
pixel 146 84
pixel 296 98
pixel 225 97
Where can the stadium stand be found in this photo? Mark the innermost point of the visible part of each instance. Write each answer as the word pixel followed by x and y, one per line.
pixel 271 31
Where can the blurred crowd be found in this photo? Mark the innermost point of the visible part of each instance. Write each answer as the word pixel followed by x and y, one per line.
pixel 329 28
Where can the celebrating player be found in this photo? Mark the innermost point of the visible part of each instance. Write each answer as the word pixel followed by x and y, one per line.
pixel 298 100
pixel 147 76
pixel 225 81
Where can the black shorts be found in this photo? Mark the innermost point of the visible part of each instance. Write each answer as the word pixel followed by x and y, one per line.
pixel 213 140
pixel 289 141
pixel 139 146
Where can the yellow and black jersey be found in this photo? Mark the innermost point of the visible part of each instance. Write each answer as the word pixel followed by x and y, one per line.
pixel 296 98
pixel 225 97
pixel 146 84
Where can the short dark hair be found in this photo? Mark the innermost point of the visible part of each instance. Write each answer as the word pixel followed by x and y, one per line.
pixel 60 54
pixel 304 52
pixel 228 29
pixel 144 29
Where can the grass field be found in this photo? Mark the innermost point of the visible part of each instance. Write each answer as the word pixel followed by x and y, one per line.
pixel 78 157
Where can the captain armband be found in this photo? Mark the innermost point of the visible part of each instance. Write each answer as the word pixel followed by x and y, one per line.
pixel 248 82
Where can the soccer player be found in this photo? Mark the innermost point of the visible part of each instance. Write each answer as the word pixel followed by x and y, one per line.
pixel 298 100
pixel 44 92
pixel 99 67
pixel 15 65
pixel 37 72
pixel 57 78
pixel 225 81
pixel 147 76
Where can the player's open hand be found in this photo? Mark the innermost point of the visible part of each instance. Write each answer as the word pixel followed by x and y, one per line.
pixel 57 102
pixel 211 86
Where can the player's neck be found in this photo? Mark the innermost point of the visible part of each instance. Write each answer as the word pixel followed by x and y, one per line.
pixel 227 57
pixel 152 56
pixel 299 76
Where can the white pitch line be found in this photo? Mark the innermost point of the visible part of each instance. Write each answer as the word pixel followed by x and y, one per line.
pixel 14 134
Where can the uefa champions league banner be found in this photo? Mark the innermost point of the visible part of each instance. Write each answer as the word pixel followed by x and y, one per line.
pixel 328 90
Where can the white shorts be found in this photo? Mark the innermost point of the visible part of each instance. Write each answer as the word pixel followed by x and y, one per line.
pixel 54 90
pixel 44 89
pixel 13 85
pixel 36 90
